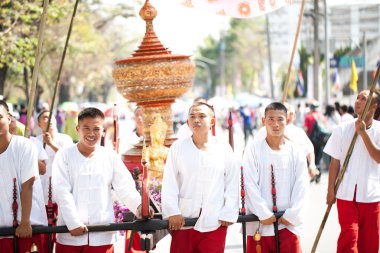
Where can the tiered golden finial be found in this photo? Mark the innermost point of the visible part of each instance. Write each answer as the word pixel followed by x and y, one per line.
pixel 153 77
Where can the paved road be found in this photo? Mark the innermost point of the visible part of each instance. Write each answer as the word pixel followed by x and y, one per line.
pixel 317 209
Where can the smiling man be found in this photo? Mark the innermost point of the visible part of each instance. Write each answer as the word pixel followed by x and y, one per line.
pixel 358 197
pixel 83 176
pixel 201 179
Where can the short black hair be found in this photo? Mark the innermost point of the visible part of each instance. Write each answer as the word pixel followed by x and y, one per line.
pixel 90 112
pixel 344 108
pixel 276 106
pixel 205 104
pixel 5 105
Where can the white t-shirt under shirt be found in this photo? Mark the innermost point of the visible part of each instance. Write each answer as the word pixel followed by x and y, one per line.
pixel 295 134
pixel 362 170
pixel 82 188
pixel 19 161
pixel 61 140
pixel 291 182
pixel 196 180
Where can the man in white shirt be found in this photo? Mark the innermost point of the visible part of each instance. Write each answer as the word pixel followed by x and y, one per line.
pixel 54 141
pixel 18 161
pixel 275 164
pixel 358 197
pixel 298 136
pixel 83 176
pixel 201 179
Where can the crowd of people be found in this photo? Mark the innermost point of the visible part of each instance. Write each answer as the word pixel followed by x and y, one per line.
pixel 201 179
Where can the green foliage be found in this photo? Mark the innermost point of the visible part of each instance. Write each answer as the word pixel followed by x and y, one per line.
pixel 342 51
pixel 91 47
pixel 239 52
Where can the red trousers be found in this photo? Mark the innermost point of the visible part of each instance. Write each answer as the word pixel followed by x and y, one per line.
pixel 24 245
pixel 360 229
pixel 289 243
pixel 192 241
pixel 60 248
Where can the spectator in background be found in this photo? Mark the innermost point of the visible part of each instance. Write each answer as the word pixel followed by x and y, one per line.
pixel 246 114
pixel 70 126
pixel 351 111
pixel 337 107
pixel 23 118
pixel 332 117
pixel 60 117
pixel 345 116
pixel 16 127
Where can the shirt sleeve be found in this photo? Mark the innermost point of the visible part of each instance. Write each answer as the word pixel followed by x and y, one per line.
pixel 63 191
pixel 124 185
pixel 28 161
pixel 170 189
pixel 230 210
pixel 300 191
pixel 255 203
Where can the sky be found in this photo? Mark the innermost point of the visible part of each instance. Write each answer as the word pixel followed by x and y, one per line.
pixel 183 29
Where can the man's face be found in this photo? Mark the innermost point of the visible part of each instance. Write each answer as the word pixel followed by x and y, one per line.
pixel 138 118
pixel 90 131
pixel 5 120
pixel 201 119
pixel 43 120
pixel 360 102
pixel 275 122
pixel 13 126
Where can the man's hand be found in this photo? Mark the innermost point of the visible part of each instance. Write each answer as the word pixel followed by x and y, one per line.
pixel 225 223
pixel 24 230
pixel 176 222
pixel 331 197
pixel 313 171
pixel 47 138
pixel 360 126
pixel 139 212
pixel 268 221
pixel 284 221
pixel 79 231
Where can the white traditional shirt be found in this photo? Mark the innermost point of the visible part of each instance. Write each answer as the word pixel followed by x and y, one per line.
pixel 294 133
pixel 202 184
pixel 42 155
pixel 362 171
pixel 61 140
pixel 291 182
pixel 19 161
pixel 83 192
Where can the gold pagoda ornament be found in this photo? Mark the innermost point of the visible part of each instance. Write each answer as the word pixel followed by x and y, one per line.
pixel 153 77
pixel 157 152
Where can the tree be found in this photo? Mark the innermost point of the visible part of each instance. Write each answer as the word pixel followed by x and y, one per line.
pixel 243 47
pixel 92 47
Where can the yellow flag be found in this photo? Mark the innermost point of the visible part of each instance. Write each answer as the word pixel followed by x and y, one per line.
pixel 354 77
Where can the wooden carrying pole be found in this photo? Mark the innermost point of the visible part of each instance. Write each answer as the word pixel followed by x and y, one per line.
pixel 286 87
pixel 36 69
pixel 58 81
pixel 346 160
